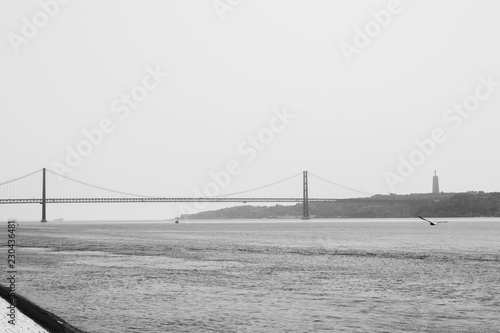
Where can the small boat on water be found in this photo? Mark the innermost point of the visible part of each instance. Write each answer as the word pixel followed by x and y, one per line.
pixel 176 220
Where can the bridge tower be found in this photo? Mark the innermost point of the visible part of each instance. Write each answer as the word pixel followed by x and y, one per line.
pixel 305 200
pixel 44 199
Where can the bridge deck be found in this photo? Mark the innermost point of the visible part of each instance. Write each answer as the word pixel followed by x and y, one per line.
pixel 209 199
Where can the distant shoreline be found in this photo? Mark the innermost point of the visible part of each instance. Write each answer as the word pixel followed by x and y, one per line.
pixel 467 204
pixel 264 220
pixel 443 205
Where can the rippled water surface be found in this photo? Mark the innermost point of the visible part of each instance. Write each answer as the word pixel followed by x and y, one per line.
pixel 265 276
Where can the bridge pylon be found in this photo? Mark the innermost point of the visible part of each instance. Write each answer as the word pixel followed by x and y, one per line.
pixel 305 200
pixel 44 198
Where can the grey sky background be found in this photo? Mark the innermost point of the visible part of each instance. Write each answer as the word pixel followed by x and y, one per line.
pixel 353 119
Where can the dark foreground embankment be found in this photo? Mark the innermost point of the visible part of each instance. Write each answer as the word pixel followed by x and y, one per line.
pixel 44 318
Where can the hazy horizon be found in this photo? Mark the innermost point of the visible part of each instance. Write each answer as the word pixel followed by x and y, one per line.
pixel 152 97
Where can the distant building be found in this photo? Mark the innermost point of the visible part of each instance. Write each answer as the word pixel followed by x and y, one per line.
pixel 435 183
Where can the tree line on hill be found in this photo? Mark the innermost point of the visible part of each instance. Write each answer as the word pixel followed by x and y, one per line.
pixel 469 204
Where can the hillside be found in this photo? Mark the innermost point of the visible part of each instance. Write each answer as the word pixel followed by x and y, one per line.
pixel 442 205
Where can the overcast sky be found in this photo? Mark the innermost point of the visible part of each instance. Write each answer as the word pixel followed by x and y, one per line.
pixel 355 84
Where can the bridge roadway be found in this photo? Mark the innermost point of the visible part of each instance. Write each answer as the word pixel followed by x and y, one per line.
pixel 209 199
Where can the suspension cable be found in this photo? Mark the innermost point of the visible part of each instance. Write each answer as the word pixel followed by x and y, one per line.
pixel 101 188
pixel 19 178
pixel 258 188
pixel 339 185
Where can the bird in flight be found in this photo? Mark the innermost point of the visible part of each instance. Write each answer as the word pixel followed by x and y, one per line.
pixel 431 223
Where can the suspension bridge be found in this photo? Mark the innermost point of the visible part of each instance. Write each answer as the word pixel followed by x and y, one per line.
pixel 47 187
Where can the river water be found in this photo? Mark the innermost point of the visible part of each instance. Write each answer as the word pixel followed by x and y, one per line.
pixel 391 275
